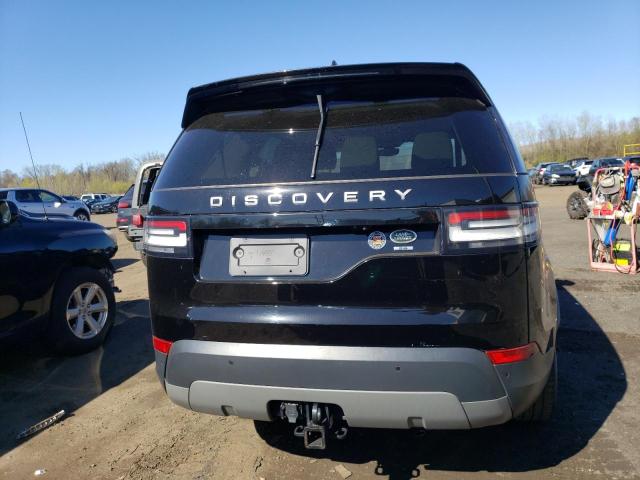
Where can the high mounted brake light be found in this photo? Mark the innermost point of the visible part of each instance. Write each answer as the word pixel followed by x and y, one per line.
pixel 486 226
pixel 165 233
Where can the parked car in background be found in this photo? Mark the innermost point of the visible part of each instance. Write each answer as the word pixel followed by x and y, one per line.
pixel 610 162
pixel 57 279
pixel 539 168
pixel 91 198
pixel 558 174
pixel 582 168
pixel 145 179
pixel 574 162
pixel 108 205
pixel 45 203
pixel 124 211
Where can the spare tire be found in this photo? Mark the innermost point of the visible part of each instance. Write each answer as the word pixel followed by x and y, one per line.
pixel 576 206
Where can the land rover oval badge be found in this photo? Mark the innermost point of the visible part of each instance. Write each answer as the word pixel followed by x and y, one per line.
pixel 403 236
pixel 377 240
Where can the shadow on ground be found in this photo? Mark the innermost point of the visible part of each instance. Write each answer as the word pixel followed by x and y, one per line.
pixel 592 382
pixel 119 263
pixel 34 385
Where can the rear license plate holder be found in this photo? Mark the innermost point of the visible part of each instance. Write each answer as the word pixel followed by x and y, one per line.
pixel 268 257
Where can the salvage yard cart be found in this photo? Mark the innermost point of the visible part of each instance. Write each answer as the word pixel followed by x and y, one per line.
pixel 613 219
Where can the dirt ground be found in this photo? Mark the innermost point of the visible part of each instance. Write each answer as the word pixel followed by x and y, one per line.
pixel 120 424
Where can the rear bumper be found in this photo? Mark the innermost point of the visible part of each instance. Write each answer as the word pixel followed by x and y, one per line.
pixel 433 388
pixel 562 181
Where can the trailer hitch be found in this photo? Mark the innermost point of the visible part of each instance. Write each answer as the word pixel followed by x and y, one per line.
pixel 315 423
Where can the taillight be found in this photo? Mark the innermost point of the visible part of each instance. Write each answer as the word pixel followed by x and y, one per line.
pixel 165 233
pixel 123 204
pixel 487 226
pixel 162 346
pixel 513 355
pixel 137 220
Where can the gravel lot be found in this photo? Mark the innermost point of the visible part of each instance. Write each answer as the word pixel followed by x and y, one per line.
pixel 121 425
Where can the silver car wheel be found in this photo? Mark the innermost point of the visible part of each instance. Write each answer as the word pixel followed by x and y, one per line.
pixel 82 217
pixel 87 310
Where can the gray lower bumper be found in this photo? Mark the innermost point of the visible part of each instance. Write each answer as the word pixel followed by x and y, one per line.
pixel 433 388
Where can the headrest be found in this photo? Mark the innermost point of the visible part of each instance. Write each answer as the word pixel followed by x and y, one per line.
pixel 432 145
pixel 359 152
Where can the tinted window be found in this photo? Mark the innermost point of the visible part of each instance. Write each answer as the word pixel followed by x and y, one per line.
pixel 560 168
pixel 27 196
pixel 396 138
pixel 128 195
pixel 3 195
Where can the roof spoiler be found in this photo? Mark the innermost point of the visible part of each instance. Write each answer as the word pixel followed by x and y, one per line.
pixel 199 97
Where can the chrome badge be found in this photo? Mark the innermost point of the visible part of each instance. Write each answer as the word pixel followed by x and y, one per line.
pixel 377 240
pixel 403 236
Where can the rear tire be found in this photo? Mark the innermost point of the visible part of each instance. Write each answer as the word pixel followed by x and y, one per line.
pixel 576 206
pixel 82 216
pixel 542 408
pixel 62 321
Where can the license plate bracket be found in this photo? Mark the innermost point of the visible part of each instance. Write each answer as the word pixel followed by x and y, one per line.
pixel 268 257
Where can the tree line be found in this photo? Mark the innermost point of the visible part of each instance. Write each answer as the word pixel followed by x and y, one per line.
pixel 557 140
pixel 113 177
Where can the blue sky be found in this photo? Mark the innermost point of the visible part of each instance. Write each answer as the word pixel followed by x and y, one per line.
pixel 98 81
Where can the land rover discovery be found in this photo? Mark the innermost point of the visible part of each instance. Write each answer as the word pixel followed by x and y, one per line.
pixel 350 246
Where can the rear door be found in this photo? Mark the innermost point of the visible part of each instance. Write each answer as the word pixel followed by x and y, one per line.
pixel 409 224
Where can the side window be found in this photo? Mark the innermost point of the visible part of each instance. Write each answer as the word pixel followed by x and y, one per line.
pixel 48 197
pixel 3 195
pixel 27 196
pixel 148 179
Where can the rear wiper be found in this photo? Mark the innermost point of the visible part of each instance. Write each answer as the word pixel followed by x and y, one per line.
pixel 323 121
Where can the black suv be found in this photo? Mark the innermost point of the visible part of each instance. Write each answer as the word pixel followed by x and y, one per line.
pixel 350 246
pixel 57 279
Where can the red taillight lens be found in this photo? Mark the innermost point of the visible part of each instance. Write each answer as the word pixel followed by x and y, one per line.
pixel 512 355
pixel 137 220
pixel 486 226
pixel 456 218
pixel 175 224
pixel 123 204
pixel 165 233
pixel 162 346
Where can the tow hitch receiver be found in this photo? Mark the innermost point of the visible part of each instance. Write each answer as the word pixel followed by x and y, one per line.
pixel 314 422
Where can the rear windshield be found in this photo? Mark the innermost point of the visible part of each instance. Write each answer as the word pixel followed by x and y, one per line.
pixel 560 168
pixel 128 195
pixel 362 140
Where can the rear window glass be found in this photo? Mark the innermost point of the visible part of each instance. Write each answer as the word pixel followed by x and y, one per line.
pixel 560 168
pixel 128 195
pixel 362 140
pixel 27 196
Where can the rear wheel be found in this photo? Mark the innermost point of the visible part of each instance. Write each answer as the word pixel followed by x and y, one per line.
pixel 81 215
pixel 82 311
pixel 576 206
pixel 542 408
